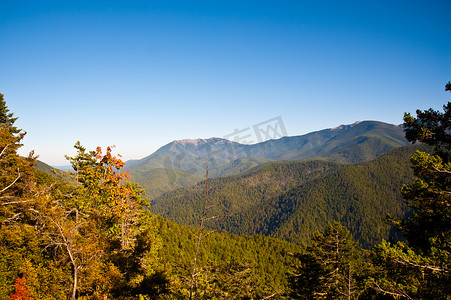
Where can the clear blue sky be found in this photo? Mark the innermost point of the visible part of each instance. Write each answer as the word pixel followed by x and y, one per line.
pixel 138 74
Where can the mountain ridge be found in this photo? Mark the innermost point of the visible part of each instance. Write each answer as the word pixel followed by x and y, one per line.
pixel 201 141
pixel 350 144
pixel 306 146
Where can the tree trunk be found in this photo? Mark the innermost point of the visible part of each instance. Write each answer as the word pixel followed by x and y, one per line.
pixel 74 288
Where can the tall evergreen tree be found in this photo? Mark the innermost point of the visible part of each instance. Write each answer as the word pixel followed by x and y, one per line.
pixel 331 267
pixel 21 248
pixel 430 194
pixel 6 117
pixel 420 268
pixel 16 172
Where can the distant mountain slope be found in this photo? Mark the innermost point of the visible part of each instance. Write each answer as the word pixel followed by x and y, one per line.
pixel 160 180
pixel 354 143
pixel 179 164
pixel 190 156
pixel 52 171
pixel 241 165
pixel 291 200
pixel 42 166
pixel 240 192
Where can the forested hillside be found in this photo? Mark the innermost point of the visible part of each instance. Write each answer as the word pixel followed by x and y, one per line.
pixel 160 180
pixel 240 266
pixel 291 200
pixel 359 197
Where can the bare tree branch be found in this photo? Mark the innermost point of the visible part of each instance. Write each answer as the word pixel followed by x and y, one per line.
pixel 3 150
pixel 396 293
pixel 201 236
pixel 271 296
pixel 12 218
pixel 17 202
pixel 71 253
pixel 404 261
pixel 216 217
pixel 211 232
pixel 12 183
pixel 441 171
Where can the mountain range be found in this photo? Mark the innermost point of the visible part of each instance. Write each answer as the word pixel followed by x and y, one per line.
pixel 183 163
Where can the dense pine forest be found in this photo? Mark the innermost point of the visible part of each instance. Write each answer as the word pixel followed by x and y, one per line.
pixel 310 229
pixel 291 200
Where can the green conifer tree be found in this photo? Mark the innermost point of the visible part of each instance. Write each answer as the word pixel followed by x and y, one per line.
pixel 420 268
pixel 16 172
pixel 6 117
pixel 331 267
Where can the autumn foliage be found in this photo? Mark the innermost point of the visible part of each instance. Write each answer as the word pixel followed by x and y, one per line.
pixel 22 292
pixel 104 183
